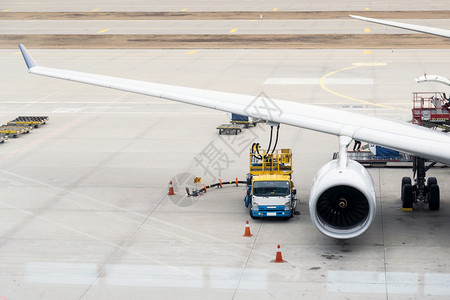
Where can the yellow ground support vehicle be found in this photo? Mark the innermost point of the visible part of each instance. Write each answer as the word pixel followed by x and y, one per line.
pixel 270 190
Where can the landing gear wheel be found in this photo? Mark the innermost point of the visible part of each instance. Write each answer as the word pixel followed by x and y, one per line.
pixel 434 198
pixel 431 181
pixel 407 196
pixel 405 180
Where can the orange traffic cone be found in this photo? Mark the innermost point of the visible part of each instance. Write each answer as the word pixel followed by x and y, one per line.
pixel 279 257
pixel 247 232
pixel 171 192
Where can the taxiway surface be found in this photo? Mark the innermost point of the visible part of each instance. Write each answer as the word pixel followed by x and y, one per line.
pixel 234 5
pixel 335 26
pixel 83 199
pixel 84 206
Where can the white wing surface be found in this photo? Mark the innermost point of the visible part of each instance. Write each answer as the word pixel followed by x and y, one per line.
pixel 418 28
pixel 396 135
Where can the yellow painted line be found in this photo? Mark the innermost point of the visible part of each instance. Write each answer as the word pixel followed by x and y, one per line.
pixel 103 31
pixel 407 209
pixel 354 66
pixel 96 9
pixel 184 9
pixel 233 30
pixel 275 9
pixel 8 9
pixel 366 29
pixel 367 52
pixel 192 52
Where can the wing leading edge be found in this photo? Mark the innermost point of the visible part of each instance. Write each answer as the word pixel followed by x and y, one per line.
pixel 418 28
pixel 396 135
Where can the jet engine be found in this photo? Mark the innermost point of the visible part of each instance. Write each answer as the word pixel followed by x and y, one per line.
pixel 342 202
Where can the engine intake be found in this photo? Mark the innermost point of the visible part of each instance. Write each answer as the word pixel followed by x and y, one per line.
pixel 342 202
pixel 342 207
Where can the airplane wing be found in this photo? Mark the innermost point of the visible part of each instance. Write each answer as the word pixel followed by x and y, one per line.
pixel 396 135
pixel 418 28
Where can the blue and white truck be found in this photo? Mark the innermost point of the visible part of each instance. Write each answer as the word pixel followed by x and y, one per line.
pixel 270 189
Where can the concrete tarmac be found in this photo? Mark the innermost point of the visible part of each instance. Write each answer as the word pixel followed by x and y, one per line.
pixel 335 26
pixel 233 5
pixel 83 201
pixel 84 206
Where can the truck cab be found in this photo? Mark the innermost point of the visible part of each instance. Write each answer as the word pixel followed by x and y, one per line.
pixel 270 190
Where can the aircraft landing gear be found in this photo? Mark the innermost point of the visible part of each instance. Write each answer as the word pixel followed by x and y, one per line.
pixel 428 193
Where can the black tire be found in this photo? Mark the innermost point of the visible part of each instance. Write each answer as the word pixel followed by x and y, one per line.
pixel 407 196
pixel 405 180
pixel 431 181
pixel 433 197
pixel 290 217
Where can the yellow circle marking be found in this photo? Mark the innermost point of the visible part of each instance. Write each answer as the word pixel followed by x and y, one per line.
pixel 354 66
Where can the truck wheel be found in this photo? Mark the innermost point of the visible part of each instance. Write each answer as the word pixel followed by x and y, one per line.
pixel 433 197
pixel 407 196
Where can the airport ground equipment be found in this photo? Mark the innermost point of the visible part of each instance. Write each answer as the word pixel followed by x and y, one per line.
pixel 230 128
pixel 242 120
pixel 220 184
pixel 14 130
pixel 379 157
pixel 34 121
pixel 270 190
pixel 21 125
pixel 432 110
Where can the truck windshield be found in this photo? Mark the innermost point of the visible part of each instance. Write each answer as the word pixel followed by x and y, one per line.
pixel 271 188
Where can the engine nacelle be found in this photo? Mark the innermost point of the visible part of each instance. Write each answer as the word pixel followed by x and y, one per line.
pixel 342 201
